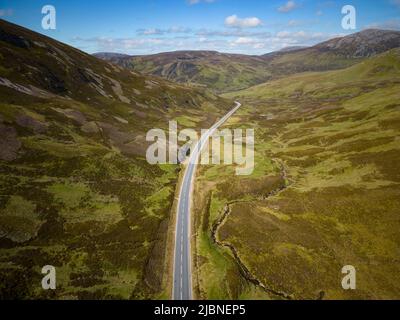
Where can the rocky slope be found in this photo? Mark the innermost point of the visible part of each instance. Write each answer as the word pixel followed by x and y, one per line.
pixel 363 44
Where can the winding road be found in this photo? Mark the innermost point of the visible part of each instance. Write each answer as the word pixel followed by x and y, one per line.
pixel 182 285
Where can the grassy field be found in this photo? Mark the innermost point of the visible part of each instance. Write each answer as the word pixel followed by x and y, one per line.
pixel 325 192
pixel 76 190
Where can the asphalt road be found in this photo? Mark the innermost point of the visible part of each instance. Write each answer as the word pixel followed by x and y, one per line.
pixel 182 286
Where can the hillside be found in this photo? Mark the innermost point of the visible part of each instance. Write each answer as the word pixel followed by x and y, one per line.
pixel 334 54
pixel 218 71
pixel 382 69
pixel 363 44
pixel 325 191
pixel 231 72
pixel 75 189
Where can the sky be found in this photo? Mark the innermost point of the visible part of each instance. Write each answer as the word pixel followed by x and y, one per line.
pixel 231 26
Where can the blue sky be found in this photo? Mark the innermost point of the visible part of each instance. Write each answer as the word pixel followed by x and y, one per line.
pixel 235 26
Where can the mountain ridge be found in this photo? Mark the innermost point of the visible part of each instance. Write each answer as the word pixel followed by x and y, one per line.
pixel 224 72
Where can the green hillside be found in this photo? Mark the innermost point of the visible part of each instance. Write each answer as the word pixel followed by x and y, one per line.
pixel 382 69
pixel 217 71
pixel 76 191
pixel 223 72
pixel 324 194
pixel 337 53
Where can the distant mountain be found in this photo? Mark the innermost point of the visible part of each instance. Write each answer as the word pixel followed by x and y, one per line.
pixel 292 48
pixel 283 50
pixel 76 189
pixel 334 54
pixel 380 72
pixel 229 72
pixel 41 67
pixel 110 55
pixel 363 44
pixel 218 71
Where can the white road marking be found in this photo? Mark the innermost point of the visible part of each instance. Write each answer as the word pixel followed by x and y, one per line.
pixel 184 210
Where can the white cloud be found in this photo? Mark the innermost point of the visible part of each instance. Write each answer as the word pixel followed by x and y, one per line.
pixel 303 37
pixel 232 33
pixel 289 6
pixel 6 12
pixel 236 22
pixel 283 34
pixel 229 41
pixel 249 44
pixel 244 40
pixel 393 24
pixel 278 41
pixel 396 2
pixel 156 31
pixel 192 2
pixel 151 31
pixel 294 23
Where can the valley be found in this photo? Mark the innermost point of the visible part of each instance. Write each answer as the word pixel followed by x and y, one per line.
pixel 324 189
pixel 77 192
pixel 76 189
pixel 223 72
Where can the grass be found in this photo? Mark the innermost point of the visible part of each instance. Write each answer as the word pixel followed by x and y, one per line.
pixel 186 122
pixel 86 198
pixel 213 270
pixel 220 73
pixel 87 202
pixel 337 135
pixel 76 190
pixel 19 219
